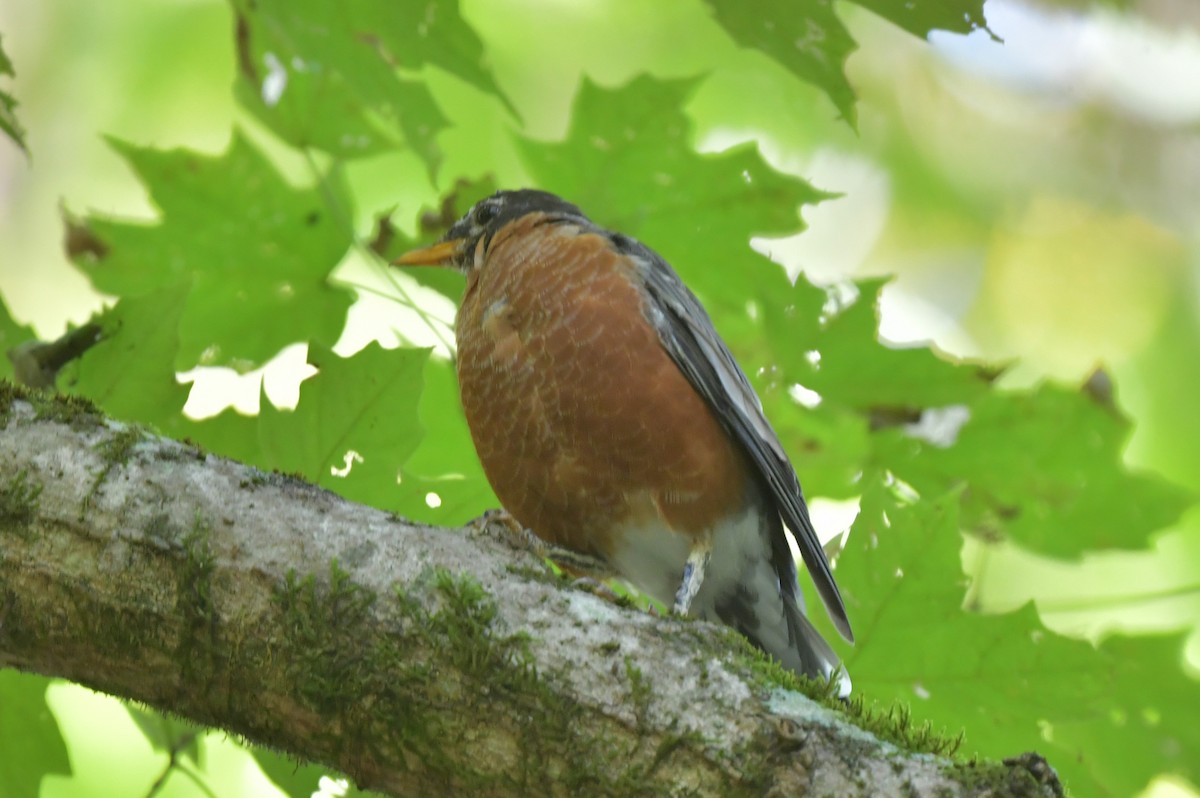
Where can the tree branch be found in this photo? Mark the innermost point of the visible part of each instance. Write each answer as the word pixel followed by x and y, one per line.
pixel 417 660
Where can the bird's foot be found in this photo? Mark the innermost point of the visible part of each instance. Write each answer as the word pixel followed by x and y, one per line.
pixel 598 588
pixel 578 564
pixel 522 539
pixel 511 530
pixel 693 577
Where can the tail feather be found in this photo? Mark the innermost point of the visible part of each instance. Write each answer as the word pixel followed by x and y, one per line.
pixel 751 586
pixel 774 622
pixel 811 650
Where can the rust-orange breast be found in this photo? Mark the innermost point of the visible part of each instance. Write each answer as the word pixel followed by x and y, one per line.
pixel 582 421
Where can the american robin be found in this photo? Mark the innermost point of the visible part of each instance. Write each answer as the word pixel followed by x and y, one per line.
pixel 612 420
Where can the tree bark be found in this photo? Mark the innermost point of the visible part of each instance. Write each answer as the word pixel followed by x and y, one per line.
pixel 420 661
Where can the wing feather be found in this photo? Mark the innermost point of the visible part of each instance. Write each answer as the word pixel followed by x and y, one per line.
pixel 689 337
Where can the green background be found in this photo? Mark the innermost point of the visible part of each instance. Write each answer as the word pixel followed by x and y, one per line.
pixel 1034 583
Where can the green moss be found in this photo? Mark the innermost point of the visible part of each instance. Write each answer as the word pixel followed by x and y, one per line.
pixel 9 393
pixel 672 743
pixel 320 618
pixel 639 692
pixel 499 666
pixel 448 650
pixel 160 529
pixel 115 449
pixel 74 411
pixel 537 573
pixel 48 405
pixel 377 691
pixel 894 723
pixel 256 480
pixel 195 652
pixel 765 672
pixel 466 623
pixel 196 576
pixel 994 778
pixel 19 504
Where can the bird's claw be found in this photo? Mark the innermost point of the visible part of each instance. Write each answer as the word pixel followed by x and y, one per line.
pixel 510 529
pixel 598 588
pixel 522 539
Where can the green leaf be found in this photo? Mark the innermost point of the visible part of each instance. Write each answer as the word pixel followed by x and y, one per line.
pixel 628 162
pixel 1145 725
pixel 816 339
pixel 130 372
pixel 297 779
pixel 804 36
pixel 443 39
pixel 8 105
pixel 11 334
pixel 808 39
pixel 445 463
pixel 828 445
pixel 397 410
pixel 256 251
pixel 852 368
pixel 325 75
pixel 1046 469
pixel 31 744
pixel 919 17
pixel 390 243
pixel 357 415
pixel 1014 684
pixel 167 734
pixel 353 430
pixel 228 434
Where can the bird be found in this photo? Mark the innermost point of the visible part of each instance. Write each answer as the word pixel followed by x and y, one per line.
pixel 613 421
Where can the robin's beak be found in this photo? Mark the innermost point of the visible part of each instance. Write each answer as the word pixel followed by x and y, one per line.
pixel 442 253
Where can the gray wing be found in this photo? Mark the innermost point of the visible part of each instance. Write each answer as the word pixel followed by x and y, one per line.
pixel 690 339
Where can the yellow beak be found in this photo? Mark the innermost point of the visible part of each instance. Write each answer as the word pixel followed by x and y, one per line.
pixel 439 254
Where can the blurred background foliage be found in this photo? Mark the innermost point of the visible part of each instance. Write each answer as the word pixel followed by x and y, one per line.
pixel 209 166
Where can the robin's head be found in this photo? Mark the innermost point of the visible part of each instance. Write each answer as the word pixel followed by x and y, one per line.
pixel 470 235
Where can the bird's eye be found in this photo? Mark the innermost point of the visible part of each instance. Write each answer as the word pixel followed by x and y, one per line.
pixel 485 212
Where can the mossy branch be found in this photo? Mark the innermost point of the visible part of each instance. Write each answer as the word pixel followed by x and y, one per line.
pixel 419 661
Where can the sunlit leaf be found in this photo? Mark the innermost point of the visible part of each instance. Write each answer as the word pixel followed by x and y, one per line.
pixel 809 39
pixel 835 351
pixel 353 430
pixel 355 425
pixel 296 779
pixel 325 75
pixel 1045 468
pixel 1005 678
pixel 229 434
pixel 130 373
pixel 257 253
pixel 805 36
pixel 168 734
pixel 30 740
pixel 1142 727
pixel 445 463
pixel 920 17
pixel 11 334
